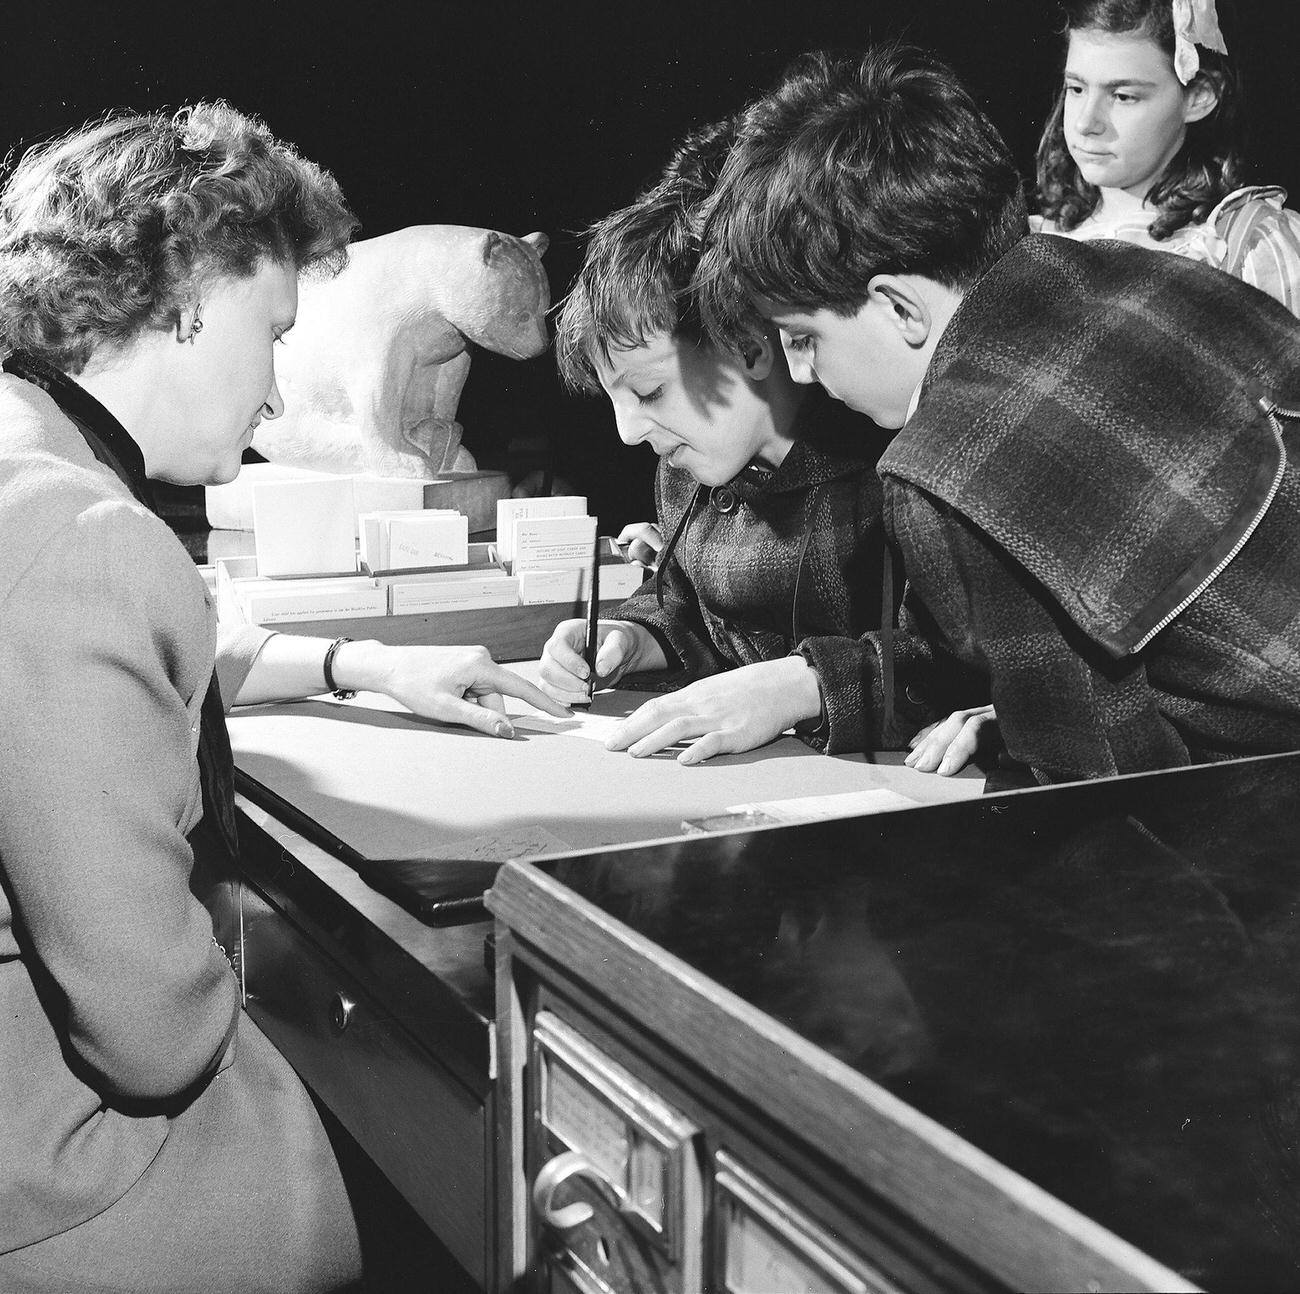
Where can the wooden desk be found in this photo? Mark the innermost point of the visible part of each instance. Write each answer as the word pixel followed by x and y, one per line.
pixel 390 1021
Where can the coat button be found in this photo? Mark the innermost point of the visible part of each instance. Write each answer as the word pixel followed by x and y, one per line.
pixel 724 499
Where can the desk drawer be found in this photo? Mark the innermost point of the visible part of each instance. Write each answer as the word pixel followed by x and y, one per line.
pixel 424 1131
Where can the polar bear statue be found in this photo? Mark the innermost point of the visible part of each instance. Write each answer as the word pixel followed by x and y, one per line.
pixel 372 371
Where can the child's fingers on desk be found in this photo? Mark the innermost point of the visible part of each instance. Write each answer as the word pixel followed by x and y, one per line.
pixel 948 746
pixel 655 726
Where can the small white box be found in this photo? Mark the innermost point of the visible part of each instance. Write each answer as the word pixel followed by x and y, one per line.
pixel 304 527
pixel 550 505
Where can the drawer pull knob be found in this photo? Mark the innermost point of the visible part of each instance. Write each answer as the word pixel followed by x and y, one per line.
pixel 552 1176
pixel 341 1010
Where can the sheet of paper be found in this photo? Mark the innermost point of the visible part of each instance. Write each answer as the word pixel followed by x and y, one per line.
pixel 595 727
pixel 814 808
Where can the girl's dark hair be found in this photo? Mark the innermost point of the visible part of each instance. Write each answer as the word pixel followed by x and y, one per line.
pixel 640 260
pixel 112 229
pixel 1205 170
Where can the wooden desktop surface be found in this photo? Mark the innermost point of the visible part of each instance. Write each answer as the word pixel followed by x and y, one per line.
pixel 391 785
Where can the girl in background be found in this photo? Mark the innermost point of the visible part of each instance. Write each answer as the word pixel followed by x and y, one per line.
pixel 1144 145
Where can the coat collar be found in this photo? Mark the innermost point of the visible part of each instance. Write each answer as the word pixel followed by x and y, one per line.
pixel 1096 409
pixel 108 440
pixel 831 442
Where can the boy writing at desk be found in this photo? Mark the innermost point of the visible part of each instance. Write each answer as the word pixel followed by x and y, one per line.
pixel 769 585
pixel 1091 490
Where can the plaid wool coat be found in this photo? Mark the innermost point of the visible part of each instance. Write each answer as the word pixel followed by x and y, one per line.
pixel 776 562
pixel 1094 502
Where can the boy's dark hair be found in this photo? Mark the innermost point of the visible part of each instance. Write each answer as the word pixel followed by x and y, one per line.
pixel 640 260
pixel 1203 172
pixel 852 167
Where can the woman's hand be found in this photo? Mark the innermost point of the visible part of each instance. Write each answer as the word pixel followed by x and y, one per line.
pixel 948 746
pixel 621 648
pixel 644 540
pixel 724 713
pixel 451 684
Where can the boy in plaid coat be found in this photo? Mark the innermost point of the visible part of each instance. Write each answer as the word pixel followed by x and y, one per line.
pixel 761 614
pixel 1091 490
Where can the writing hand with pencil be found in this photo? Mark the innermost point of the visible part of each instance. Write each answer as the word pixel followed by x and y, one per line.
pixel 619 648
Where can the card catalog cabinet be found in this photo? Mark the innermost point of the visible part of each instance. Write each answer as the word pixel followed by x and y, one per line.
pixel 635 1172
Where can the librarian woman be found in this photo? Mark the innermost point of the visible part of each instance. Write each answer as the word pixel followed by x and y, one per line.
pixel 147 1120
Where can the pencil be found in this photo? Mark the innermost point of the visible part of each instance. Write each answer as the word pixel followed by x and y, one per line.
pixel 593 619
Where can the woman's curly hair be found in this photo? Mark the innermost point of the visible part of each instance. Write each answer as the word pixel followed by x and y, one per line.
pixel 1205 170
pixel 112 229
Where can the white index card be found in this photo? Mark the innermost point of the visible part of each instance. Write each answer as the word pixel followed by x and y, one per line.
pixel 549 505
pixel 553 543
pixel 428 539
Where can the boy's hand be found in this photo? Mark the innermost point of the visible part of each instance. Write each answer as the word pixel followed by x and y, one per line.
pixel 644 541
pixel 621 647
pixel 948 746
pixel 724 713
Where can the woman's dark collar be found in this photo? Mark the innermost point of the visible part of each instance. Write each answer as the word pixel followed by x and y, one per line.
pixel 109 441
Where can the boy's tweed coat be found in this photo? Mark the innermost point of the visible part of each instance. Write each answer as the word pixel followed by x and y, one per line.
pixel 1094 501
pixel 777 562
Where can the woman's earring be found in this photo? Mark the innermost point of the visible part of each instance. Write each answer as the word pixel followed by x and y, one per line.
pixel 196 325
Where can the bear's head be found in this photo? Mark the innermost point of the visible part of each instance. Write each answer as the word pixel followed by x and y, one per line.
pixel 504 295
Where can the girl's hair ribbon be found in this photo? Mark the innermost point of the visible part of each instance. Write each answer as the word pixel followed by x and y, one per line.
pixel 1195 23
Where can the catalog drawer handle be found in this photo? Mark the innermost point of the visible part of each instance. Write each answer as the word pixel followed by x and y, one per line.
pixel 552 1176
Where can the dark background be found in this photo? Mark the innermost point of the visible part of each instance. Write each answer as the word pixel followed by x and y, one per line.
pixel 542 116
